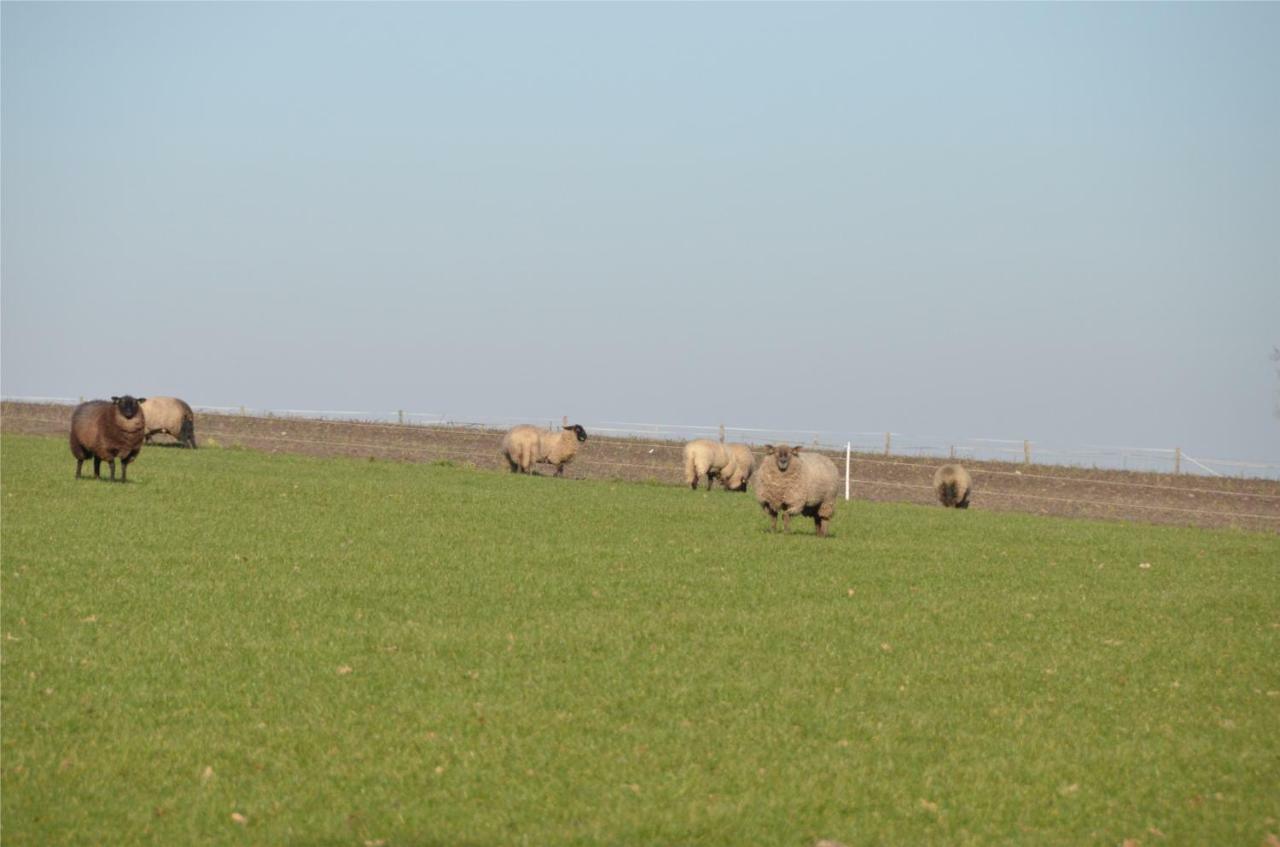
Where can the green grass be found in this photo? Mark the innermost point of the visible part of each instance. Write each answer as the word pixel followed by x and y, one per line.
pixel 348 651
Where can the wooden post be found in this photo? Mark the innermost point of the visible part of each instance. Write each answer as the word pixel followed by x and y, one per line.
pixel 564 420
pixel 848 452
pixel 1026 452
pixel 953 451
pixel 243 413
pixel 1177 460
pixel 721 433
pixel 400 414
pixel 888 442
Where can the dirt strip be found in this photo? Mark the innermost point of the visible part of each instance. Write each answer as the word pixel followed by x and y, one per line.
pixel 998 486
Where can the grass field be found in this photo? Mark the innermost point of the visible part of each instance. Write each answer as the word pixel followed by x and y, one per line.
pixel 244 648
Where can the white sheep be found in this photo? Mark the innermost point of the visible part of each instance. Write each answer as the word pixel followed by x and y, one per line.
pixel 704 458
pixel 793 484
pixel 526 445
pixel 737 473
pixel 953 486
pixel 171 416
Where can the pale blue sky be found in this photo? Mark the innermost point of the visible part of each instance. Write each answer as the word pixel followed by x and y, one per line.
pixel 1051 221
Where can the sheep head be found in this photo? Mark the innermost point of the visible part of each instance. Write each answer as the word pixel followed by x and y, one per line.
pixel 781 455
pixel 579 431
pixel 128 406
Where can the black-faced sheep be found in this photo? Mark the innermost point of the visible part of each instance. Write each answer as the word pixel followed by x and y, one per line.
pixel 704 458
pixel 107 431
pixel 525 446
pixel 953 486
pixel 172 417
pixel 793 484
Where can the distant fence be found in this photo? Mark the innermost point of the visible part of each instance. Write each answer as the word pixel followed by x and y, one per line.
pixel 1173 460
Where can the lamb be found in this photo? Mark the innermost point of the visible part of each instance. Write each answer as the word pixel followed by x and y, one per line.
pixel 172 417
pixel 953 486
pixel 793 484
pixel 737 473
pixel 525 445
pixel 106 431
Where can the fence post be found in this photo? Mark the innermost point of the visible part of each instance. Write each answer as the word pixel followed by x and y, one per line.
pixel 564 419
pixel 400 414
pixel 848 451
pixel 243 413
pixel 953 451
pixel 1026 452
pixel 721 433
pixel 1177 460
pixel 888 442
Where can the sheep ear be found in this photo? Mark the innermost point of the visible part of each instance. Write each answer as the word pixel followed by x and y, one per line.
pixel 115 399
pixel 768 449
pixel 142 399
pixel 797 448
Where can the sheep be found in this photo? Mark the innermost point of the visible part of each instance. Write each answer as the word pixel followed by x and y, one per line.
pixel 172 417
pixel 793 484
pixel 525 445
pixel 737 473
pixel 107 430
pixel 704 458
pixel 953 486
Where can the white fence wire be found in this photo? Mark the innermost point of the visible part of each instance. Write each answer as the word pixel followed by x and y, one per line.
pixel 1028 451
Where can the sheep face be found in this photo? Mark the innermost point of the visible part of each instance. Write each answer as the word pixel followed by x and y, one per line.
pixel 781 455
pixel 128 406
pixel 577 430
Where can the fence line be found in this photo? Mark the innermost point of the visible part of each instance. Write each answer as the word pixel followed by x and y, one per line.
pixel 867 442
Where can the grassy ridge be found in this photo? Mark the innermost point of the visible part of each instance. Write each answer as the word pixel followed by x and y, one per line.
pixel 343 651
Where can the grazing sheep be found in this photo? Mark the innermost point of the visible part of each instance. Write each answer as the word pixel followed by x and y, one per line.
pixel 704 458
pixel 953 486
pixel 106 430
pixel 793 484
pixel 737 473
pixel 526 445
pixel 172 417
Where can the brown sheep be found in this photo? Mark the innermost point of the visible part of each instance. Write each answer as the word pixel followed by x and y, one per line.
pixel 106 431
pixel 526 445
pixel 953 486
pixel 172 417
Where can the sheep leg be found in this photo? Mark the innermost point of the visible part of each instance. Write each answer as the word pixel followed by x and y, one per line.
pixel 821 524
pixel 786 521
pixel 112 463
pixel 708 480
pixel 97 468
pixel 773 525
pixel 124 469
pixel 693 486
pixel 79 462
pixel 559 470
